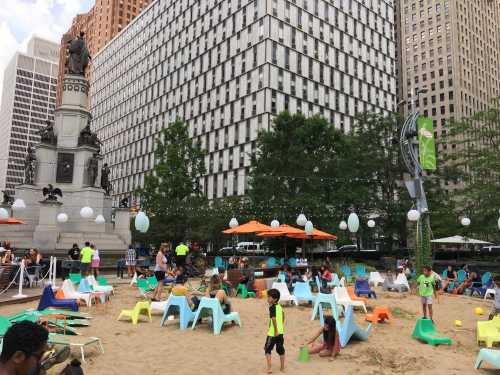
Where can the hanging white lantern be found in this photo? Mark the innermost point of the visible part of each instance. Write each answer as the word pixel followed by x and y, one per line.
pixel 413 215
pixel 301 220
pixel 141 222
pixel 100 219
pixel 275 224
pixel 370 223
pixel 86 212
pixel 4 214
pixel 353 222
pixel 233 223
pixel 465 221
pixel 309 228
pixel 19 204
pixel 62 218
pixel 343 225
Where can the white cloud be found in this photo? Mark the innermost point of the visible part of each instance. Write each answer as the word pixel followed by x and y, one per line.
pixel 20 19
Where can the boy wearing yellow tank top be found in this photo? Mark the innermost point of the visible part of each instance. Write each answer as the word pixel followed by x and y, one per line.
pixel 275 330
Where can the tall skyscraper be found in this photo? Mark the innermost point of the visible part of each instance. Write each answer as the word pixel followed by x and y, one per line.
pixel 227 68
pixel 100 24
pixel 28 101
pixel 449 58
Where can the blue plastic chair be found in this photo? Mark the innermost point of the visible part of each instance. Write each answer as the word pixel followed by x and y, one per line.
pixel 292 262
pixel 444 275
pixel 84 286
pixel 219 262
pixel 361 270
pixel 185 313
pixel 218 316
pixel 335 281
pixel 271 262
pixel 302 292
pixel 48 299
pixel 482 289
pixel 461 276
pixel 488 355
pixel 322 300
pixel 346 270
pixel 349 329
pixel 281 277
pixel 361 287
pixel 282 261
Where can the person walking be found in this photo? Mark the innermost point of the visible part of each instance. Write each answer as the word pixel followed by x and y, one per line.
pixel 131 261
pixel 180 254
pixel 160 269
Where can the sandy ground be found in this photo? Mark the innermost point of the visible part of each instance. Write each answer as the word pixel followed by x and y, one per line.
pixel 148 349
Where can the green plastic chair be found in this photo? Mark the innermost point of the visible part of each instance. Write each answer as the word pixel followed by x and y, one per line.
pixel 153 283
pixel 143 286
pixel 75 278
pixel 102 280
pixel 426 332
pixel 242 289
pixel 140 308
pixel 488 355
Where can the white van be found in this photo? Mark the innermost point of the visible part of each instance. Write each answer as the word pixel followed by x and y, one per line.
pixel 254 248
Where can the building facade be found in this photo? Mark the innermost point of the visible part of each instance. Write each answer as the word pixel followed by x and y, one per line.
pixel 450 62
pixel 100 24
pixel 28 101
pixel 227 67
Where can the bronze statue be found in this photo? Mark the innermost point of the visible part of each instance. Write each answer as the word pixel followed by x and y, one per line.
pixel 93 169
pixel 105 183
pixel 30 167
pixel 123 203
pixel 79 55
pixel 7 199
pixel 51 193
pixel 47 134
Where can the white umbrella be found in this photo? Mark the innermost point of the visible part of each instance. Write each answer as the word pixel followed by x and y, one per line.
pixel 460 240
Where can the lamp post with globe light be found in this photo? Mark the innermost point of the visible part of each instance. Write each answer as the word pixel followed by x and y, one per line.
pixel 465 221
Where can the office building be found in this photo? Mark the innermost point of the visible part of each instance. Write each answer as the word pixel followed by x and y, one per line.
pixel 28 101
pixel 227 68
pixel 100 24
pixel 449 58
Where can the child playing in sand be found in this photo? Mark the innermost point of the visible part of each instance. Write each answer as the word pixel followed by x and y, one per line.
pixel 330 346
pixel 275 331
pixel 425 285
pixel 495 309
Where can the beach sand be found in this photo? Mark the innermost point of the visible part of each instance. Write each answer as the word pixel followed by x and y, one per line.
pixel 148 349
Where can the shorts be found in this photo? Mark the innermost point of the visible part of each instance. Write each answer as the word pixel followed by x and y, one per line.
pixel 426 300
pixel 130 262
pixel 272 341
pixel 180 260
pixel 95 263
pixel 84 267
pixel 160 275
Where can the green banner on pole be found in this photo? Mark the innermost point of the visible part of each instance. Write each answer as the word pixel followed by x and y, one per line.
pixel 427 148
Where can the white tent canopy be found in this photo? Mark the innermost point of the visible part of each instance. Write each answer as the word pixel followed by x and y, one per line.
pixel 460 240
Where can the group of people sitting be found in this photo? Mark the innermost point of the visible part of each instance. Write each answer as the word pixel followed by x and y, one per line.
pixel 33 257
pixel 451 282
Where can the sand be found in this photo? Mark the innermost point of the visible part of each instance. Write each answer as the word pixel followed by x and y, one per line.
pixel 148 349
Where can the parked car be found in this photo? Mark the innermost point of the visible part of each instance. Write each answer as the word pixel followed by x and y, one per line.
pixel 491 249
pixel 228 251
pixel 252 248
pixel 348 248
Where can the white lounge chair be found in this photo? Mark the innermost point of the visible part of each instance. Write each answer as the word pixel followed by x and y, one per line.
pixel 70 293
pixel 342 297
pixel 342 282
pixel 285 295
pixel 490 292
pixel 107 289
pixel 375 278
pixel 402 280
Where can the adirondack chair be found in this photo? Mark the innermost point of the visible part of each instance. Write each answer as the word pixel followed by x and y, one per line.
pixel 402 280
pixel 375 278
pixel 271 262
pixel 292 262
pixel 361 287
pixel 389 285
pixel 218 316
pixel 486 283
pixel 361 270
pixel 219 262
pixel 346 270
pixel 48 299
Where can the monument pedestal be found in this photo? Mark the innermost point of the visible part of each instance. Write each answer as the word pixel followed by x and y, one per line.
pixel 46 232
pixel 122 224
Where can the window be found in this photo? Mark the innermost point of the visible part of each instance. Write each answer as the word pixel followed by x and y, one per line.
pixel 274 53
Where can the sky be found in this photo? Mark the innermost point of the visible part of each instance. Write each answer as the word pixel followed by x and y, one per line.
pixel 21 19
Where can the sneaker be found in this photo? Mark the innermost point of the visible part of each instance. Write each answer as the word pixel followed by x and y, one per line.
pixel 54 357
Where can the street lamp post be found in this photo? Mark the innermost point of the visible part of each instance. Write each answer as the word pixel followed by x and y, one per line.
pixel 465 221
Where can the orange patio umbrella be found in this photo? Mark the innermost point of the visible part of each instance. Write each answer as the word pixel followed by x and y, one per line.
pixel 317 235
pixel 11 221
pixel 284 230
pixel 251 227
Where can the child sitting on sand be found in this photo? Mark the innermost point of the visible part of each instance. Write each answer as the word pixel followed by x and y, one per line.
pixel 495 309
pixel 425 285
pixel 330 346
pixel 275 330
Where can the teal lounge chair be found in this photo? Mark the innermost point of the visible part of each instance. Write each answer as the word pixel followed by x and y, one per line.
pixel 218 316
pixel 488 355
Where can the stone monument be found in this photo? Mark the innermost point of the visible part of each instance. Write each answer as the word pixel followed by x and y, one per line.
pixel 67 163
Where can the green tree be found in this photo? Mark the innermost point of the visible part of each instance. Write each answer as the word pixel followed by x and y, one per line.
pixel 472 169
pixel 171 195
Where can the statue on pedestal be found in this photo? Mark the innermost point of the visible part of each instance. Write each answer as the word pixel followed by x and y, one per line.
pixel 7 199
pixel 93 169
pixel 47 134
pixel 123 203
pixel 79 55
pixel 30 166
pixel 105 183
